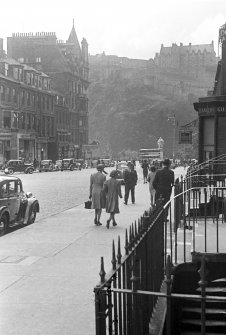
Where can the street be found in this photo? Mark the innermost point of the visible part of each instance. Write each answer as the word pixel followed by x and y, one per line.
pixel 57 191
pixel 49 269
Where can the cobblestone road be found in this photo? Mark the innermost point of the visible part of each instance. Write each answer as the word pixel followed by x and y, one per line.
pixel 57 191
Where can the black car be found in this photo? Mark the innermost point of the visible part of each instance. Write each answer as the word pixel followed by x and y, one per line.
pixel 16 206
pixel 18 165
pixel 66 164
pixel 46 165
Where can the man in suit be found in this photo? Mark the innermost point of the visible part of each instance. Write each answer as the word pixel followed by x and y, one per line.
pixel 163 182
pixel 130 179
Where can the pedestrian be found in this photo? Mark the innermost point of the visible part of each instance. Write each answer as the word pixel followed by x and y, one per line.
pixel 163 182
pixel 145 170
pixel 97 194
pixel 130 180
pixel 150 179
pixel 112 188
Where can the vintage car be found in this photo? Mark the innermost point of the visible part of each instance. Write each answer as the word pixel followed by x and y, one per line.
pixel 18 165
pixel 46 165
pixel 66 164
pixel 16 206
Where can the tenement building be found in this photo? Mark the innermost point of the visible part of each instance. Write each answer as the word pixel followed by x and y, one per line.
pixel 27 118
pixel 67 64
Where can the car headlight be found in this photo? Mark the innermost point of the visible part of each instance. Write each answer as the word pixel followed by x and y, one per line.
pixel 29 195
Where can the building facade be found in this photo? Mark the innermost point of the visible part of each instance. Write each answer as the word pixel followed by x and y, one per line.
pixel 27 118
pixel 186 58
pixel 67 64
pixel 212 113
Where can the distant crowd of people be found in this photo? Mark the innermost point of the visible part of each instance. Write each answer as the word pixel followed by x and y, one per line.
pixel 106 193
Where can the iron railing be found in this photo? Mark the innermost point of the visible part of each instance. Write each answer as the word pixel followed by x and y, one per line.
pixel 126 298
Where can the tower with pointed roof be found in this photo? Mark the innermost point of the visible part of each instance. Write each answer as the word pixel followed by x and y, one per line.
pixel 68 66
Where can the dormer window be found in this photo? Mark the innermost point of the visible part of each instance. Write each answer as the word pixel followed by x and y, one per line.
pixel 6 70
pixel 16 73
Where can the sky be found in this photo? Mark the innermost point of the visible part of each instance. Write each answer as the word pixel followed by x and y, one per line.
pixel 126 28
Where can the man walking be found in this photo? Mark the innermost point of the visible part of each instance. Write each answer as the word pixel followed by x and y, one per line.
pixel 145 167
pixel 163 182
pixel 130 179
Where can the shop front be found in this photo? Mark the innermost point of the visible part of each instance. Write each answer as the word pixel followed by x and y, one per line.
pixel 26 145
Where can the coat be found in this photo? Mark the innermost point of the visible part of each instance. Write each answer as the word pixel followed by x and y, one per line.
pixel 96 190
pixel 163 183
pixel 112 188
pixel 130 177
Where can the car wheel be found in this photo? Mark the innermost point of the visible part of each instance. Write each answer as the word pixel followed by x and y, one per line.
pixel 10 171
pixel 30 171
pixel 3 224
pixel 32 215
pixel 72 168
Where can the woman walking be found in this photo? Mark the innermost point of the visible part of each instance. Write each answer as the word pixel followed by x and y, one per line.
pixel 97 194
pixel 112 188
pixel 151 177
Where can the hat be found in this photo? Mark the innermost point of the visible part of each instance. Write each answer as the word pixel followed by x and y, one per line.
pixel 114 174
pixel 100 167
pixel 167 162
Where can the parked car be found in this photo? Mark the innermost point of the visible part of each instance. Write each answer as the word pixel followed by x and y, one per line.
pixel 81 164
pixel 18 165
pixel 46 165
pixel 66 164
pixel 16 206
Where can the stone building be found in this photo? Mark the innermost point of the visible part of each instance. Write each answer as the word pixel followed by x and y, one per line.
pixel 27 118
pixel 67 65
pixel 186 58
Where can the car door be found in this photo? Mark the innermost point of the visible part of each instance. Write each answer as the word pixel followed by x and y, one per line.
pixel 4 194
pixel 13 199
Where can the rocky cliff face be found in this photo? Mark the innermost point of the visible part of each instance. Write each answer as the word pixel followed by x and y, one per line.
pixel 130 107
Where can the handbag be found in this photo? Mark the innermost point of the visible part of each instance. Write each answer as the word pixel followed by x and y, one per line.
pixel 88 204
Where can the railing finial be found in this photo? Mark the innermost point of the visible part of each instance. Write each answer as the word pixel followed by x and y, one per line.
pixel 102 272
pixel 113 261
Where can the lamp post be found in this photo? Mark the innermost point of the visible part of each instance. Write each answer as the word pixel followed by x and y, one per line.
pixel 172 119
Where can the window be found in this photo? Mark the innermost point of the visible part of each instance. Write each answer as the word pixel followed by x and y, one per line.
pixel 15 120
pixel 8 95
pixel 38 60
pixel 22 120
pixel 33 122
pixel 28 121
pixel 19 187
pixel 21 60
pixel 12 188
pixel 28 99
pixel 16 73
pixel 4 192
pixel 14 95
pixel 2 93
pixel 80 123
pixel 7 119
pixel 20 74
pixel 22 97
pixel 28 78
pixel 6 70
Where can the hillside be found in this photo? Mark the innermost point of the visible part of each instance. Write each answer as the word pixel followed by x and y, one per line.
pixel 129 107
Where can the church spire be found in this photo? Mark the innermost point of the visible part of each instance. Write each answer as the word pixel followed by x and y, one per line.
pixel 74 40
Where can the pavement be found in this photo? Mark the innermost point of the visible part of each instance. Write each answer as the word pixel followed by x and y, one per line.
pixel 48 270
